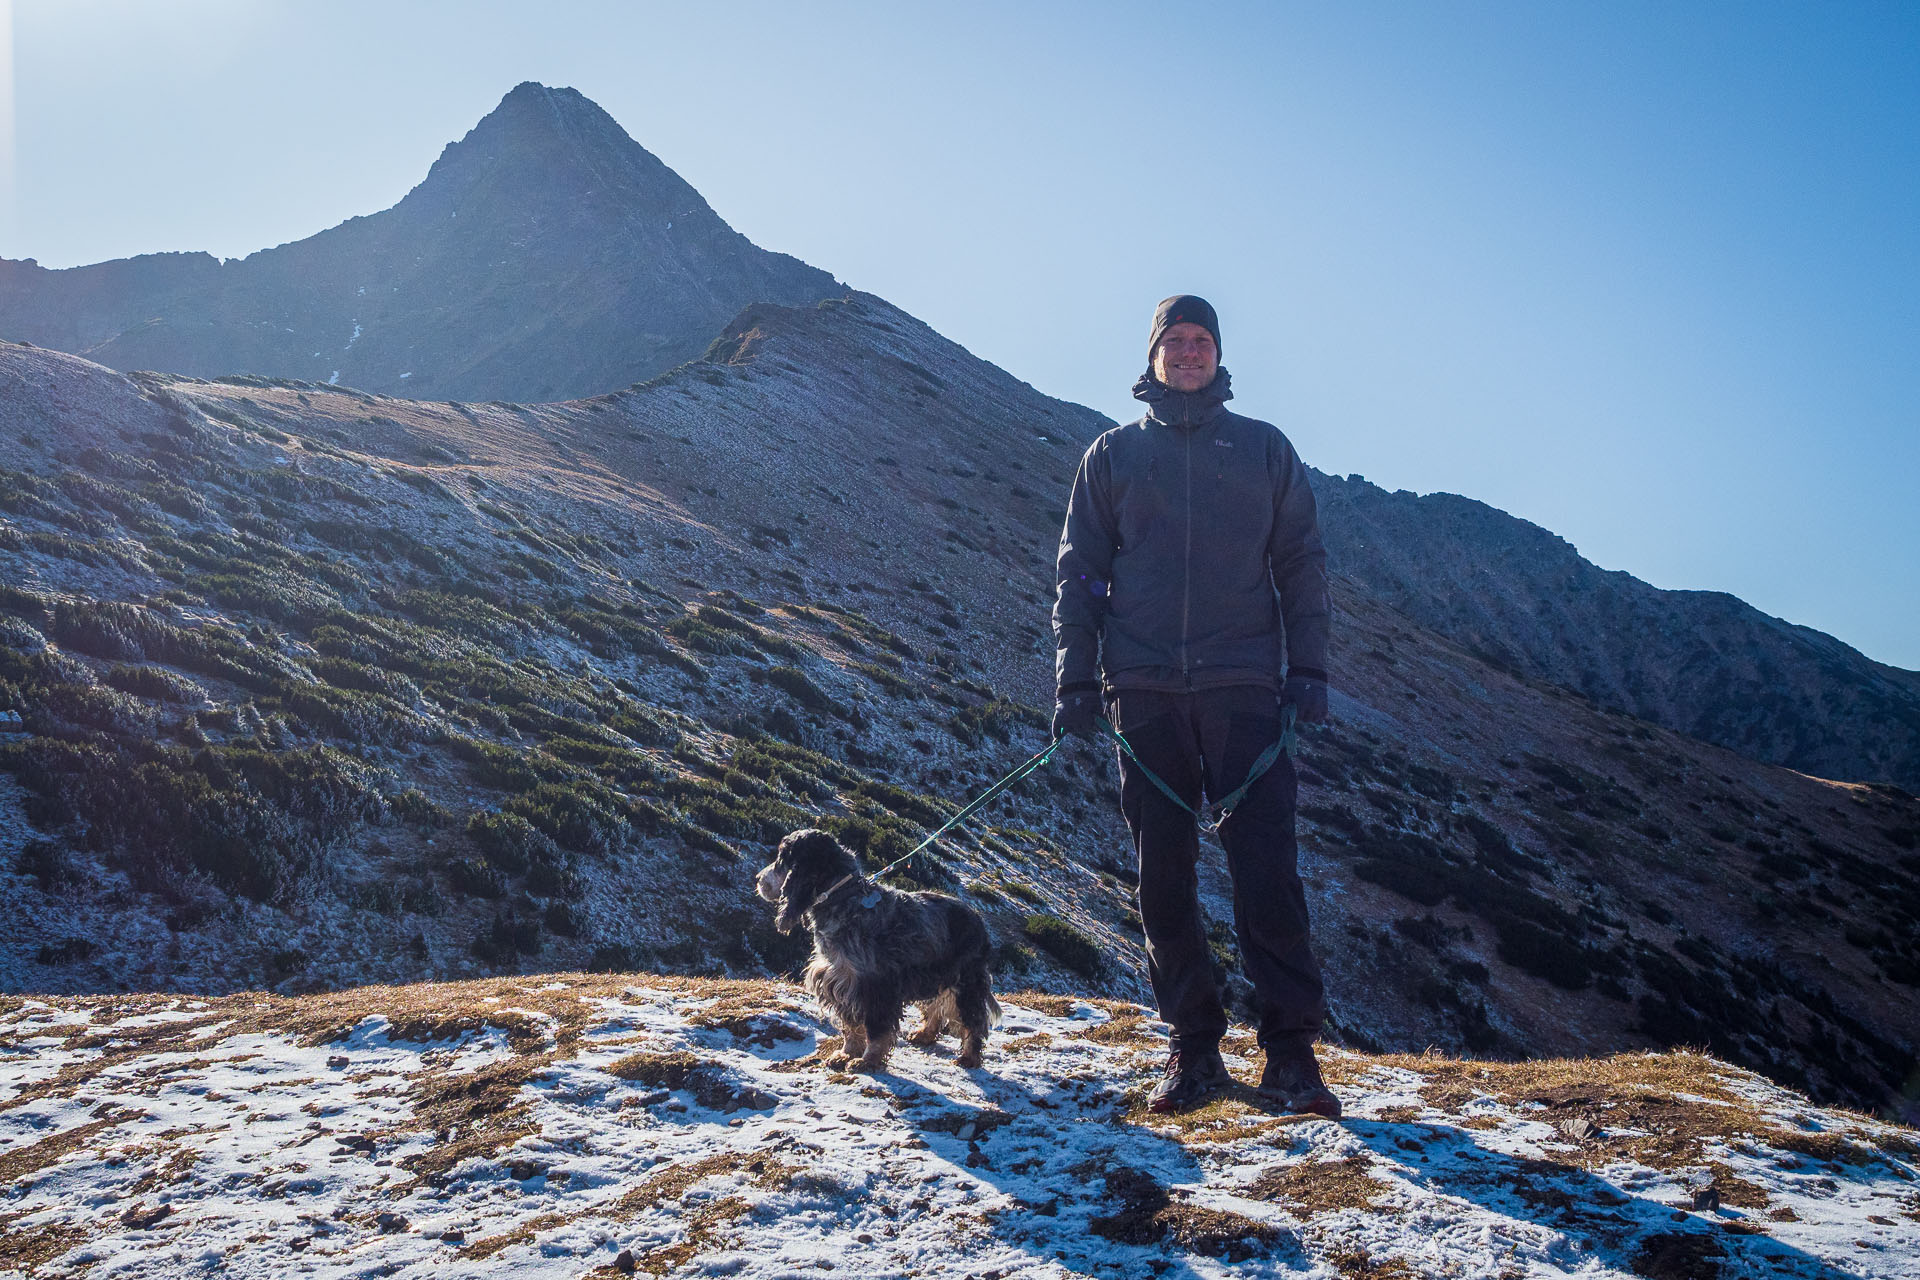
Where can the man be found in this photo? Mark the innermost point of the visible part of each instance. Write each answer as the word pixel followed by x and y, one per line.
pixel 1190 563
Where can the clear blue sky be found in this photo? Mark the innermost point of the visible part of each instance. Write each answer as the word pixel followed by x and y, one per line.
pixel 1645 273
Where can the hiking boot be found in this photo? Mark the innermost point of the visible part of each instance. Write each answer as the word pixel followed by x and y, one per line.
pixel 1191 1075
pixel 1292 1079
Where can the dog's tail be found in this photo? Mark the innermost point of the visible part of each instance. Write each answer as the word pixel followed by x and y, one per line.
pixel 993 1010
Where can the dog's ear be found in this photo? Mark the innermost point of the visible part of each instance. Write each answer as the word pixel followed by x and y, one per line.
pixel 814 860
pixel 800 884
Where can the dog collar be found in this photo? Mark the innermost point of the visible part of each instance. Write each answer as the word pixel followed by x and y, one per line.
pixel 834 888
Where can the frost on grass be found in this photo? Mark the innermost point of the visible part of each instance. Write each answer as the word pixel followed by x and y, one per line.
pixel 610 1125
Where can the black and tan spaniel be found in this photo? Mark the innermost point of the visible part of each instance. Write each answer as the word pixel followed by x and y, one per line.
pixel 875 949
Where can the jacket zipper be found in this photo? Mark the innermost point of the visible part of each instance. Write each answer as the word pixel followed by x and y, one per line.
pixel 1186 585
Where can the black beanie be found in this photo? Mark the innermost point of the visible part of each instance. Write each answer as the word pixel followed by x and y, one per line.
pixel 1179 309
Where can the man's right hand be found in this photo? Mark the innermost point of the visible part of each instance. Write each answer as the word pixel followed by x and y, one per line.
pixel 1075 714
pixel 1307 695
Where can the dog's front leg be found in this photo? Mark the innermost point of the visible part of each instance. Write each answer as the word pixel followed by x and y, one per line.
pixel 875 1058
pixel 878 1006
pixel 854 1039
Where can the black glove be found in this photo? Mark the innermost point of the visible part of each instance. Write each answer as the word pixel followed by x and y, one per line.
pixel 1074 713
pixel 1306 692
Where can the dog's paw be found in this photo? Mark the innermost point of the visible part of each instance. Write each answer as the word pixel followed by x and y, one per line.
pixel 868 1065
pixel 924 1037
pixel 969 1060
pixel 836 1061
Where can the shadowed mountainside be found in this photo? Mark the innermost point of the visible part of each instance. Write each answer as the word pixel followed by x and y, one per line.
pixel 1702 662
pixel 546 255
pixel 319 688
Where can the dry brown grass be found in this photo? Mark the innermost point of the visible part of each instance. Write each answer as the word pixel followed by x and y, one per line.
pixel 749 1016
pixel 703 1233
pixel 712 1085
pixel 21 1162
pixel 1357 1264
pixel 669 1185
pixel 1321 1186
pixel 1127 1029
pixel 674 1181
pixel 1679 1255
pixel 661 1070
pixel 1661 1109
pixel 1037 1040
pixel 471 1114
pixel 1149 1215
pixel 110 1049
pixel 520 1233
pixel 27 1249
pixel 1735 1191
pixel 1041 1002
pixel 175 1162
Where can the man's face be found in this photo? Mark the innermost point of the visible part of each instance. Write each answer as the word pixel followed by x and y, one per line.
pixel 1186 358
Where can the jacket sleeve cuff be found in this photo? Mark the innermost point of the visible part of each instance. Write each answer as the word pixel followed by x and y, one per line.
pixel 1072 687
pixel 1308 673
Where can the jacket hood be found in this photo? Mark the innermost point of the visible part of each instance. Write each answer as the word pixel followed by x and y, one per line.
pixel 1183 408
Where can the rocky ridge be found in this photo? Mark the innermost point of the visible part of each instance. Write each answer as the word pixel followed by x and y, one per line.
pixel 1702 662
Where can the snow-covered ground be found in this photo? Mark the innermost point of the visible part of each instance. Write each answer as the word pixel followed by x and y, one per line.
pixel 605 1124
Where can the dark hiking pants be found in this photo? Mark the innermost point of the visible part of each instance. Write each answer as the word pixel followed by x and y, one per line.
pixel 1211 739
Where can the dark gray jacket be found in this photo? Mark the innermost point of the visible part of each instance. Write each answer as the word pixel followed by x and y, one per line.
pixel 1191 556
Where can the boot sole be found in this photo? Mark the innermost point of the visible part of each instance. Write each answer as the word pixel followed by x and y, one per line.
pixel 1166 1107
pixel 1325 1107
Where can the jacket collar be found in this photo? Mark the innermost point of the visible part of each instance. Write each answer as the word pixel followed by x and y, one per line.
pixel 1183 408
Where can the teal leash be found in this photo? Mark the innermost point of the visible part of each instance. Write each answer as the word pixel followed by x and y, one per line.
pixel 1285 744
pixel 1033 763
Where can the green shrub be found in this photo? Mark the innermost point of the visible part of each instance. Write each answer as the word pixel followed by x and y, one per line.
pixel 255 823
pixel 506 939
pixel 1074 950
pixel 49 864
pixel 894 685
pixel 582 817
pixel 794 682
pixel 473 878
pixel 1543 953
pixel 156 683
pixel 24 604
pixel 507 769
pixel 108 629
pixel 510 842
pixel 346 673
pixel 645 727
pixel 995 718
pixel 350 714
pixel 906 804
pixel 66 951
pixel 63 710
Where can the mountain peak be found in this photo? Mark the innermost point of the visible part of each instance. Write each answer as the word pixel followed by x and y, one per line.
pixel 531 104
pixel 545 255
pixel 561 144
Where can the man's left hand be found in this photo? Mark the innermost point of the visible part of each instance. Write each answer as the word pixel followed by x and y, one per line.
pixel 1307 695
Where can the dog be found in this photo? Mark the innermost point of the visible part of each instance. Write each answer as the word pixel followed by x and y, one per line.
pixel 876 949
